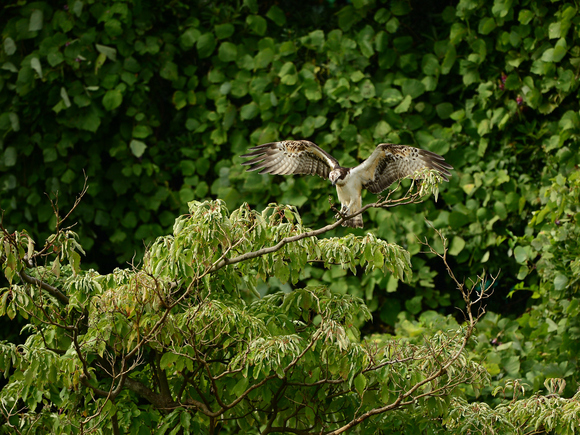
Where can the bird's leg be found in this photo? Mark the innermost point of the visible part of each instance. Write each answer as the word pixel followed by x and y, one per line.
pixel 343 212
pixel 331 203
pixel 333 208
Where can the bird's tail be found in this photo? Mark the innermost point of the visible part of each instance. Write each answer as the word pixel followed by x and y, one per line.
pixel 355 222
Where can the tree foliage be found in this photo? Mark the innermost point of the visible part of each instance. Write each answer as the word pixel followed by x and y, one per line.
pixel 184 342
pixel 154 102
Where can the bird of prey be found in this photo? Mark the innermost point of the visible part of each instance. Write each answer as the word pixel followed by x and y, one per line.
pixel 387 164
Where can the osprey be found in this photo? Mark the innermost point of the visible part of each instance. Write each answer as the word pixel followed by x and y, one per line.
pixel 387 163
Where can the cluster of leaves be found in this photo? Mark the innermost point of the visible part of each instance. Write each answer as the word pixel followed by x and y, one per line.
pixel 186 333
pixel 164 99
pixel 165 107
pixel 522 120
pixel 154 102
pixel 184 344
pixel 544 341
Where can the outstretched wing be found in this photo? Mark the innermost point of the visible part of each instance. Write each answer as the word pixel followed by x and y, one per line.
pixel 389 163
pixel 291 157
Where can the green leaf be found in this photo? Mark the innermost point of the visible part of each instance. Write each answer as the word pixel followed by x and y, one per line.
pixel 112 99
pixel 10 156
pixel 404 105
pixel 201 190
pixel 500 210
pixel 430 65
pixel 68 178
pixel 548 55
pixel 414 304
pixel 457 33
pixel 114 28
pixel 179 100
pixel 54 58
pixel 486 25
pixel 560 50
pixel 525 16
pixel 400 7
pixel 240 387
pixel 36 66
pixel 257 24
pixel 277 15
pixel 555 30
pixel 312 90
pixel 560 281
pixel 444 110
pixel 347 17
pixel 64 96
pixel 513 82
pixel 382 128
pixel 227 52
pixel 364 39
pixel 137 147
pixel 141 131
pixel 382 16
pixel 264 57
pixel 252 5
pixel 360 383
pixel 206 45
pixel 169 71
pixel 14 121
pixel 378 259
pixel 511 365
pixel 90 121
pixel 223 31
pixel 288 73
pixel 9 46
pixel 314 40
pixel 458 219
pixel 413 88
pixel 249 111
pixel 392 97
pixel 392 25
pixel 521 254
pixel 439 146
pixel 449 59
pixel 189 37
pixel 167 360
pixel 457 245
pixel 109 52
pixel 36 20
pixel 367 89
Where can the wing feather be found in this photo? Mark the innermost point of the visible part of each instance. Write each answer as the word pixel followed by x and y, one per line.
pixel 290 157
pixel 389 163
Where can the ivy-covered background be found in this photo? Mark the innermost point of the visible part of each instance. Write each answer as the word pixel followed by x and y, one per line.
pixel 154 102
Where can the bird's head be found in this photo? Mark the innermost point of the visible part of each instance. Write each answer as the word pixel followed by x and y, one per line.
pixel 335 175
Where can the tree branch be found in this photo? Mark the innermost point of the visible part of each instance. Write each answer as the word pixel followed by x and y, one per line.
pixel 41 284
pixel 471 322
pixel 286 240
pixel 158 400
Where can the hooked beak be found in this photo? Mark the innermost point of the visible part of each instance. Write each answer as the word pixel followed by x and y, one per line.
pixel 334 182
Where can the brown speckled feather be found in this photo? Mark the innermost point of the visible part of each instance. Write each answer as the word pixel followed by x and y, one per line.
pixel 291 157
pixel 389 163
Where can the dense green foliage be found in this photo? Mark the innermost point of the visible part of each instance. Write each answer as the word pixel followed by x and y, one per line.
pixel 154 102
pixel 186 344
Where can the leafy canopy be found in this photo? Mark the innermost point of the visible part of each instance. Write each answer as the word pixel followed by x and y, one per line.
pixel 185 343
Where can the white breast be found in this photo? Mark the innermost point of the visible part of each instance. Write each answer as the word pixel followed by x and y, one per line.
pixel 349 192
